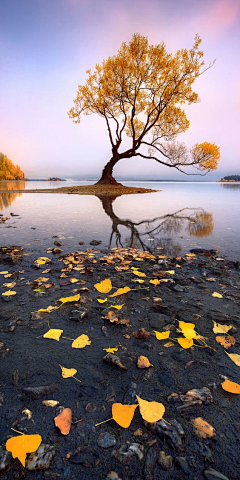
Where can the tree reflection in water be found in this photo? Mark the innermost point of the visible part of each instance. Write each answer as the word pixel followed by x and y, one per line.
pixel 7 198
pixel 195 221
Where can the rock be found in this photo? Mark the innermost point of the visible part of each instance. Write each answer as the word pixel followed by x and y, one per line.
pixel 113 476
pixel 130 395
pixel 214 475
pixel 150 463
pixel 127 451
pixel 5 458
pixel 172 433
pixel 124 361
pixel 78 315
pixel 178 288
pixel 37 392
pixel 106 440
pixel 57 243
pixel 86 456
pixel 166 379
pixel 34 316
pixel 41 458
pixel 157 321
pixel 57 250
pixel 95 242
pixel 182 463
pixel 191 398
pixel 165 461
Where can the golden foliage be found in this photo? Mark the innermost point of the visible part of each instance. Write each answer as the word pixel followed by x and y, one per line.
pixel 8 171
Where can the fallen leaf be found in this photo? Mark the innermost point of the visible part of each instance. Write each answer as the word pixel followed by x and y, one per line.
pixel 138 280
pixel 81 342
pixel 47 309
pixel 162 335
pixel 171 272
pixel 111 316
pixel 54 333
pixel 64 420
pixel 117 307
pixel 139 274
pixel 189 333
pixel 42 260
pixel 202 428
pixel 141 334
pixel 73 280
pixel 123 414
pixel 68 372
pixel 168 344
pixel 50 403
pixel 4 273
pixel 21 445
pixel 217 295
pixel 186 325
pixel 185 342
pixel 74 298
pixel 218 328
pixel 8 293
pixel 100 300
pixel 150 411
pixel 190 255
pixel 235 358
pixel 231 387
pixel 226 340
pixel 143 362
pixel 105 286
pixel 120 291
pixel 9 285
pixel 155 281
pixel 110 350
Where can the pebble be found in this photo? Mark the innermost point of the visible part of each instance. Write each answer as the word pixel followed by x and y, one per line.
pixel 113 476
pixel 5 458
pixel 214 475
pixel 41 458
pixel 95 242
pixel 38 392
pixel 165 461
pixel 182 463
pixel 106 440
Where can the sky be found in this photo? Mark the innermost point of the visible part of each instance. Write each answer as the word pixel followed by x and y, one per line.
pixel 46 46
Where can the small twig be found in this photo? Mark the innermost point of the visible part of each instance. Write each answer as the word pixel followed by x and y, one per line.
pixel 17 431
pixel 108 420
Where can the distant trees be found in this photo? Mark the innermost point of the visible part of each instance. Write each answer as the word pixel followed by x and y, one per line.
pixel 139 93
pixel 231 178
pixel 9 171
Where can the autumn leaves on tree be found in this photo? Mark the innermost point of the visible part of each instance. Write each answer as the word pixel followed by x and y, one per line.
pixel 139 93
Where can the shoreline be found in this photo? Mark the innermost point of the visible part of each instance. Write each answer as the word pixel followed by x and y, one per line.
pixel 103 190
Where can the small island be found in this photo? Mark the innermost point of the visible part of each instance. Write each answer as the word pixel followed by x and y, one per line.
pixel 231 178
pixel 9 171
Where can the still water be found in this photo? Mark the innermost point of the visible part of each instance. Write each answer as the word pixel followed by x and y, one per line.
pixel 179 217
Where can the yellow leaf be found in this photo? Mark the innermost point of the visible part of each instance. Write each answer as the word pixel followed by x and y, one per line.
pixel 74 298
pixel 171 272
pixel 235 358
pixel 4 273
pixel 218 328
pixel 68 372
pixel 143 362
pixel 216 294
pixel 100 300
pixel 189 333
pixel 155 281
pixel 190 255
pixel 186 326
pixel 139 274
pixel 9 285
pixel 21 445
pixel 54 333
pixel 164 280
pixel 123 414
pixel 150 411
pixel 117 307
pixel 138 280
pixel 162 335
pixel 225 340
pixel 48 309
pixel 9 293
pixel 104 287
pixel 81 342
pixel 185 342
pixel 73 280
pixel 231 387
pixel 121 291
pixel 110 350
pixel 42 260
pixel 168 344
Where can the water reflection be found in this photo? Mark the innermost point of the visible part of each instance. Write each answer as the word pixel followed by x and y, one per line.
pixel 7 198
pixel 194 221
pixel 231 185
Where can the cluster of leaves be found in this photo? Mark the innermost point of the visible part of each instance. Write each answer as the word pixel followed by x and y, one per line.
pixel 8 171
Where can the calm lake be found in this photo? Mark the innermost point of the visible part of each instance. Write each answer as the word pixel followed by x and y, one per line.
pixel 180 217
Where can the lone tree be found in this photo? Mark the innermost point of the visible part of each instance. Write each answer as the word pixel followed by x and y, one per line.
pixel 139 93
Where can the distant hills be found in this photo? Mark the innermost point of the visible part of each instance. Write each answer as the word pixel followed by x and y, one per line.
pixel 9 171
pixel 231 178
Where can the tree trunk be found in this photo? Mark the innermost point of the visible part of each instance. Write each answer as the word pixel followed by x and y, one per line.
pixel 107 177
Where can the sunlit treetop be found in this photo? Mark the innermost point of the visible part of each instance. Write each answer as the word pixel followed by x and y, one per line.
pixel 140 92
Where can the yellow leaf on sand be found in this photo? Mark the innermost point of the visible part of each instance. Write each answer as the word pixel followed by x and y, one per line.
pixel 123 414
pixel 202 428
pixel 4 273
pixel 218 328
pixel 235 358
pixel 231 387
pixel 54 333
pixel 117 307
pixel 111 315
pixel 190 255
pixel 225 340
pixel 162 335
pixel 21 445
pixel 100 300
pixel 189 333
pixel 121 291
pixel 217 295
pixel 73 280
pixel 64 421
pixel 9 293
pixel 185 342
pixel 150 411
pixel 138 280
pixel 143 362
pixel 171 272
pixel 155 281
pixel 74 298
pixel 110 350
pixel 81 342
pixel 104 287
pixel 186 325
pixel 164 280
pixel 48 309
pixel 68 372
pixel 9 285
pixel 42 260
pixel 139 274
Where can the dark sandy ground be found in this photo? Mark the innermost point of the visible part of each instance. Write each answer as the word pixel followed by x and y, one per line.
pixel 91 452
pixel 99 190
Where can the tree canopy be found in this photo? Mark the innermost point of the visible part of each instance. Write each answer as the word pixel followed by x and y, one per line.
pixel 139 93
pixel 8 171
